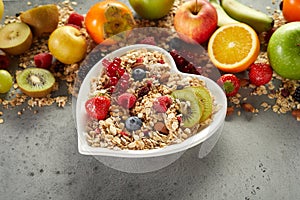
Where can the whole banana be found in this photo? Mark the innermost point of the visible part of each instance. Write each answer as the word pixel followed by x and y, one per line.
pixel 259 21
pixel 223 17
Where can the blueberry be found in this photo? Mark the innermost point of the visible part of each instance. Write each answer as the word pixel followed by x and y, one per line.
pixel 138 74
pixel 133 123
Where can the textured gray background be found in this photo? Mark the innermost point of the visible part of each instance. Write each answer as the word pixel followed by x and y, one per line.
pixel 256 157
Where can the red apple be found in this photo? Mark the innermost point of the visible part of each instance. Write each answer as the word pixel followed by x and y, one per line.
pixel 196 20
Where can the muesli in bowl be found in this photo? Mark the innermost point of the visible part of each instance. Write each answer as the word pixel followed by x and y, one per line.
pixel 139 101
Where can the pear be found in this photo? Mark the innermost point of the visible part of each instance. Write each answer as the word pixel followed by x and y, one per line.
pixel 42 19
pixel 15 38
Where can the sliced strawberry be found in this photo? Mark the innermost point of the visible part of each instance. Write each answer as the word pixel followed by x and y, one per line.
pixel 260 73
pixel 98 107
pixel 127 100
pixel 161 104
pixel 230 83
pixel 43 60
pixel 76 19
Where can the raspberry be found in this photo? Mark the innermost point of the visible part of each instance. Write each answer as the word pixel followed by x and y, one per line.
pixel 43 60
pixel 296 94
pixel 126 100
pixel 106 62
pixel 161 104
pixel 98 107
pixel 148 40
pixel 230 83
pixel 76 19
pixel 260 73
pixel 4 61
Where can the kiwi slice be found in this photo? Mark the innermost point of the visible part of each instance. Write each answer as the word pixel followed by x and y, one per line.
pixel 15 38
pixel 35 82
pixel 192 115
pixel 205 98
pixel 42 19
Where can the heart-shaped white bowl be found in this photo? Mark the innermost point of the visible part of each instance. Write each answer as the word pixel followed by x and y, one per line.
pixel 137 161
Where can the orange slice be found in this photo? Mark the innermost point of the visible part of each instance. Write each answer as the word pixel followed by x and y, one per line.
pixel 233 47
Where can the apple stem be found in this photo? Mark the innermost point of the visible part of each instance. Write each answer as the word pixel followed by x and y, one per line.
pixel 196 7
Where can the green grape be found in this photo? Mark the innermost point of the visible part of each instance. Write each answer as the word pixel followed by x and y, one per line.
pixel 6 81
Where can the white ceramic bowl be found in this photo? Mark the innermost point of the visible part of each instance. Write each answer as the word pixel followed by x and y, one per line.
pixel 139 161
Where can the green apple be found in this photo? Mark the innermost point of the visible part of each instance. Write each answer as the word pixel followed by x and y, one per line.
pixel 67 45
pixel 151 9
pixel 284 51
pixel 1 9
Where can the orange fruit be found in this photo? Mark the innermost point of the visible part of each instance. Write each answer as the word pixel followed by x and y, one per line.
pixel 233 47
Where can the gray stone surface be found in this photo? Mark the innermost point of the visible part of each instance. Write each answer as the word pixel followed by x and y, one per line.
pixel 256 158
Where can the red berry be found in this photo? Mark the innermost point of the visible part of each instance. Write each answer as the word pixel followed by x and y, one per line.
pixel 230 83
pixel 126 100
pixel 260 73
pixel 161 61
pixel 111 70
pixel 161 104
pixel 43 60
pixel 76 19
pixel 148 40
pixel 120 72
pixel 4 61
pixel 98 107
pixel 117 61
pixel 113 81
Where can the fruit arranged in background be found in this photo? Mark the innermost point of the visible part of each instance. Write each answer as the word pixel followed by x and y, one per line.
pixel 4 60
pixel 35 82
pixel 232 52
pixel 230 83
pixel 76 19
pixel 43 60
pixel 284 50
pixel 260 73
pixel 190 115
pixel 15 38
pixel 223 17
pixel 258 20
pixel 6 81
pixel 195 21
pixel 1 9
pixel 42 19
pixel 67 44
pixel 205 98
pixel 108 18
pixel 291 10
pixel 149 9
pixel 97 107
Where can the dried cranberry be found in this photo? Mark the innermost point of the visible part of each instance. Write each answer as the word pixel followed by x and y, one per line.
pixel 143 91
pixel 285 92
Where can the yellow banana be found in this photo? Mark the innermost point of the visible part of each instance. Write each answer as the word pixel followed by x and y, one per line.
pixel 258 20
pixel 223 17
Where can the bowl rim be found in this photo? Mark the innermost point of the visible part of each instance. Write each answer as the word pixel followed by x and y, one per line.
pixel 207 132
